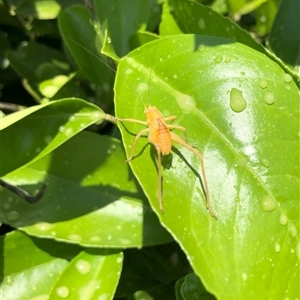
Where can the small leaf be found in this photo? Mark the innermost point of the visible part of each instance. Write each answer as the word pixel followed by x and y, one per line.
pixel 90 275
pixel 57 122
pixel 284 38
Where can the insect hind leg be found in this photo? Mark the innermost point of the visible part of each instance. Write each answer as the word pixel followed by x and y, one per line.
pixel 181 142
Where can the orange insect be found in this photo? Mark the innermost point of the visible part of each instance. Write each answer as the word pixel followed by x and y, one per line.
pixel 161 137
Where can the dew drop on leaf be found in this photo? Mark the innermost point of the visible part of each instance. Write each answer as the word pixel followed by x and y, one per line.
pixel 142 87
pixel 201 48
pixel 186 102
pixel 263 83
pixel 201 24
pixel 237 101
pixel 83 266
pixel 13 216
pixel 218 59
pixel 269 98
pixel 244 276
pixel 283 219
pixel 287 78
pixel 7 206
pixel 228 59
pixel 43 226
pixel 75 237
pixel 277 247
pixel 293 230
pixel 119 260
pixel 268 203
pixel 48 139
pixel 63 292
pixel 264 161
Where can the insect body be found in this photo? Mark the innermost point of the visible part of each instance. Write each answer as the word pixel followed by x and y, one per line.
pixel 160 136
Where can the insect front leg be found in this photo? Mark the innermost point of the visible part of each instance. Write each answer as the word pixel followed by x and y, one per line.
pixel 146 130
pixel 181 142
pixel 133 121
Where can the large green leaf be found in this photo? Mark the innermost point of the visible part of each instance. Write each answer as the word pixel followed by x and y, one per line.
pixel 91 198
pixel 232 101
pixel 30 134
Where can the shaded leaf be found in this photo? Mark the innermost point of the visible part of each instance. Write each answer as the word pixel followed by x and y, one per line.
pixel 91 198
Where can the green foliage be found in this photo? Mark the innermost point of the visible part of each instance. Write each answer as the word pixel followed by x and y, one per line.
pixel 239 104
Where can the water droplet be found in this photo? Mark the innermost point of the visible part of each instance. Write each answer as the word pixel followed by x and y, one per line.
pixel 263 83
pixel 48 139
pixel 201 23
pixel 63 292
pixel 190 174
pixel 175 76
pixel 228 59
pixel 128 71
pixel 298 250
pixel 75 237
pixel 61 128
pixel 13 216
pixel 269 98
pixel 287 78
pixel 6 206
pixel 218 59
pixel 240 161
pixel 119 260
pixel 109 237
pixel 244 276
pixel 9 280
pixel 68 131
pixel 242 73
pixel 43 226
pixel 283 219
pixel 293 230
pixel 288 87
pixel 264 161
pixel 237 101
pixel 83 266
pixel 268 203
pixel 277 247
pixel 186 102
pixel 72 119
pixel 95 239
pixel 201 48
pixel 142 87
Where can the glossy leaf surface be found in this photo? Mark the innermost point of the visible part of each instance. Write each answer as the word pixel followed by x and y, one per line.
pixel 57 122
pixel 92 274
pixel 46 273
pixel 233 111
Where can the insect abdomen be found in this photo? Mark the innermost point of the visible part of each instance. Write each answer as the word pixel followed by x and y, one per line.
pixel 164 140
